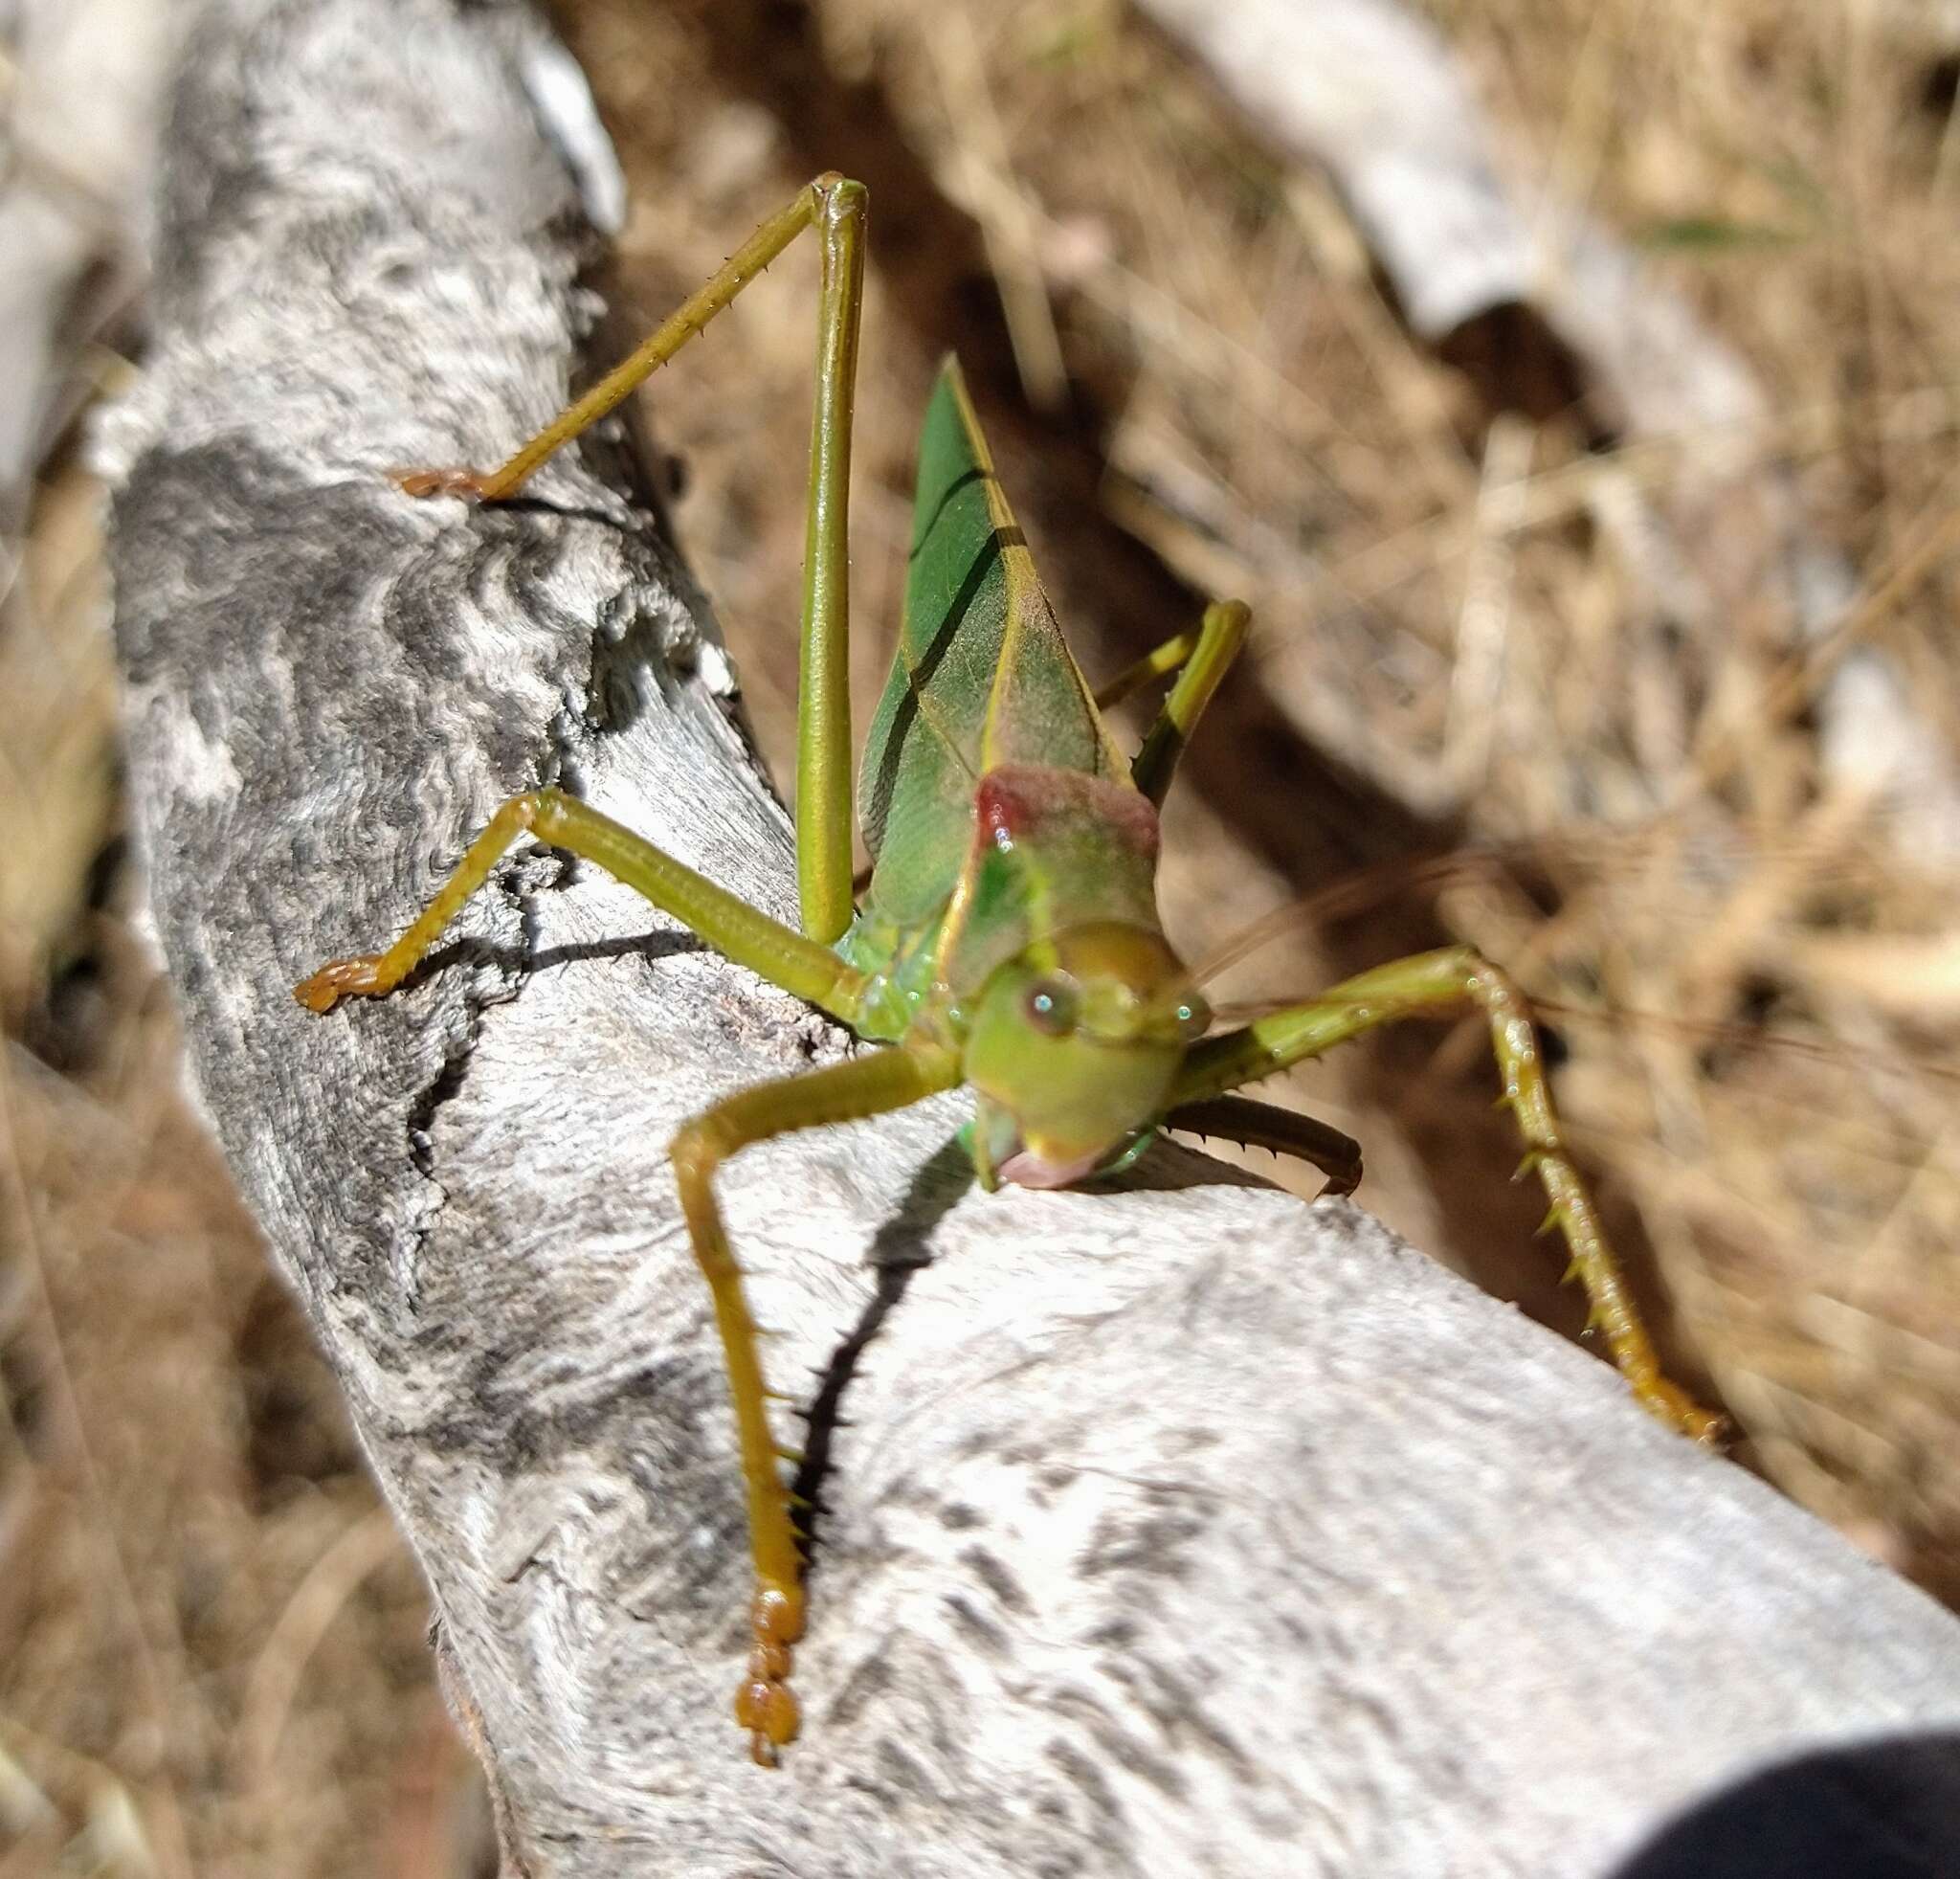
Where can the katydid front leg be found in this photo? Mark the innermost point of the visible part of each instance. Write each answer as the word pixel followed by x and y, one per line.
pixel 1459 976
pixel 869 1086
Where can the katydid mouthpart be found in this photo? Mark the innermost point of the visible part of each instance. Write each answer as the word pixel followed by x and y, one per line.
pixel 1008 938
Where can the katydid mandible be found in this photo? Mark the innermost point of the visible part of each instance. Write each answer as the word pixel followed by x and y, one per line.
pixel 1008 938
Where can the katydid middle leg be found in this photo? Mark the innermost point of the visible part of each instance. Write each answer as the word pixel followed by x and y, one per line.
pixel 835 207
pixel 1200 657
pixel 1283 1131
pixel 1423 983
pixel 776 953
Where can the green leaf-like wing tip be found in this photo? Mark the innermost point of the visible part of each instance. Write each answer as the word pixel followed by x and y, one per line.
pixel 982 676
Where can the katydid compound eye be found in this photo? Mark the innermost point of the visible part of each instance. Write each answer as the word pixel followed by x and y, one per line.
pixel 1051 1007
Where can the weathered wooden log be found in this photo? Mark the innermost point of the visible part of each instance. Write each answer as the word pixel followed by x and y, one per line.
pixel 1179 1529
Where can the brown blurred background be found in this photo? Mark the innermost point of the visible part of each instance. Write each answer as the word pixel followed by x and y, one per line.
pixel 1608 621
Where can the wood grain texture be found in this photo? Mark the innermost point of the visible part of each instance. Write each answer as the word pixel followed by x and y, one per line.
pixel 1182 1529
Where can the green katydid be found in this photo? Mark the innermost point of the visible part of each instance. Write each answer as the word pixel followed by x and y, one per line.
pixel 1008 938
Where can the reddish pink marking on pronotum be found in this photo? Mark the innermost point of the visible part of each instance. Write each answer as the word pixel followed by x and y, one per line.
pixel 1018 800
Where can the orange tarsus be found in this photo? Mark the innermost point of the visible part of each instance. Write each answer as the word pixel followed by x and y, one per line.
pixel 465 483
pixel 764 1704
pixel 358 978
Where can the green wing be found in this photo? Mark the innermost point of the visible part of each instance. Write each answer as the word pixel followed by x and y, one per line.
pixel 982 676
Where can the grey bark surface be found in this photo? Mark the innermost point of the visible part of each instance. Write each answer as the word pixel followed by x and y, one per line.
pixel 1182 1529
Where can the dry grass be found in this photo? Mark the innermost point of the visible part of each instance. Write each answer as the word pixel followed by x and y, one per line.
pixel 1491 621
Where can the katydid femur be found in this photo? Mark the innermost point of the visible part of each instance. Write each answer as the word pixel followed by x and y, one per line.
pixel 1008 938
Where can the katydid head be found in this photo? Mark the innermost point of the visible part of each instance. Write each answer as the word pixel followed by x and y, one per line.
pixel 1071 1049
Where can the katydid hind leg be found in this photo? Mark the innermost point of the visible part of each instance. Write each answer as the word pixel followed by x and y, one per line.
pixel 1424 983
pixel 824 758
pixel 683 323
pixel 834 206
pixel 872 1084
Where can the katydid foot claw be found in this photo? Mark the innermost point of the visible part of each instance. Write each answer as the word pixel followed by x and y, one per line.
pixel 766 1708
pixel 764 1704
pixel 472 485
pixel 359 977
pixel 1681 1413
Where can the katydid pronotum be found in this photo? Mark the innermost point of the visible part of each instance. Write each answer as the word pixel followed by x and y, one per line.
pixel 1008 938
